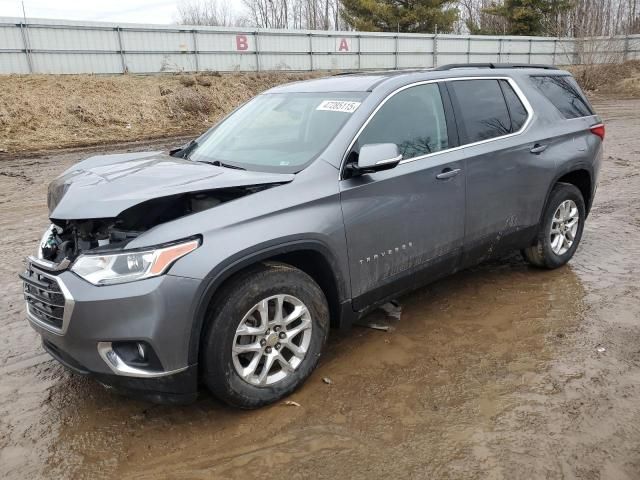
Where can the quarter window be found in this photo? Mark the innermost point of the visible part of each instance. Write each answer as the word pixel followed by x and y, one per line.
pixel 516 109
pixel 413 119
pixel 482 107
pixel 564 93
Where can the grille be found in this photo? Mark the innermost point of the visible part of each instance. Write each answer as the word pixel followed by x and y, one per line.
pixel 45 300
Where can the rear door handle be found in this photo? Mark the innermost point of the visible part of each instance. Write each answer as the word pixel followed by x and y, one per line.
pixel 538 148
pixel 448 173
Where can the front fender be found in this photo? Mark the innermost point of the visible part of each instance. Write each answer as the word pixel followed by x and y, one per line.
pixel 234 264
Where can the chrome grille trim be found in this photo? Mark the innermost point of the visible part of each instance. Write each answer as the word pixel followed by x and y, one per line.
pixel 49 303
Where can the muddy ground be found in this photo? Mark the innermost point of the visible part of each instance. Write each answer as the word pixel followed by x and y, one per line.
pixel 502 371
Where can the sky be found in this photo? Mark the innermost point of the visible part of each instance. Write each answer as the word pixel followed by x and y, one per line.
pixel 133 11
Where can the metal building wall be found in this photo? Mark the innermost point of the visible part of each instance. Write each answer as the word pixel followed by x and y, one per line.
pixel 61 46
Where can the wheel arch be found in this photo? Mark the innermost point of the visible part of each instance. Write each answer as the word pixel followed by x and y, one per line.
pixel 578 175
pixel 310 256
pixel 581 179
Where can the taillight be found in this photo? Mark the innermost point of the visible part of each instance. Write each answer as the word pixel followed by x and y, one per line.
pixel 598 130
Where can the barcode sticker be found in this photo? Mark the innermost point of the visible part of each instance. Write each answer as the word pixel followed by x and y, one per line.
pixel 338 106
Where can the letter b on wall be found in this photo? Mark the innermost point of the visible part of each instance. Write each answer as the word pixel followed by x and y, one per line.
pixel 242 43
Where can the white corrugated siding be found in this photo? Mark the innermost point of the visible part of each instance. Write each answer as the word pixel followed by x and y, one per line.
pixel 10 38
pixel 14 63
pixel 69 38
pixel 62 46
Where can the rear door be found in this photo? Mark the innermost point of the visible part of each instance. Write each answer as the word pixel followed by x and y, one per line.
pixel 406 220
pixel 505 180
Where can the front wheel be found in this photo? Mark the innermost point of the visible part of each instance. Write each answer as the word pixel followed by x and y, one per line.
pixel 265 335
pixel 560 229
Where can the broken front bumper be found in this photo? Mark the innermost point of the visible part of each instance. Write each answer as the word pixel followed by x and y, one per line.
pixel 87 328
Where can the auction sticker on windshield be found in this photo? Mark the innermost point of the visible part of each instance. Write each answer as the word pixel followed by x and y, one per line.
pixel 338 106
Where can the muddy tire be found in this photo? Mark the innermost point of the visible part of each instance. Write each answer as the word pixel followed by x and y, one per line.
pixel 560 230
pixel 264 336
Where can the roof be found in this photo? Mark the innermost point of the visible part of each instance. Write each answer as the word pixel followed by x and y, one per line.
pixel 360 82
pixel 367 81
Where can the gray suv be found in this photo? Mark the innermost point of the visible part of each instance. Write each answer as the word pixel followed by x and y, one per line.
pixel 226 261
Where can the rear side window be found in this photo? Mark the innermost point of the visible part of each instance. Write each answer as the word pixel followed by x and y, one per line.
pixel 482 107
pixel 413 119
pixel 564 93
pixel 516 109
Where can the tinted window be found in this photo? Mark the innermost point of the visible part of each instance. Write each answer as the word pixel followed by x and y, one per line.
pixel 413 119
pixel 481 105
pixel 565 94
pixel 516 109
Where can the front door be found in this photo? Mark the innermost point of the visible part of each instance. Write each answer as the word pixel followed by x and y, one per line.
pixel 407 221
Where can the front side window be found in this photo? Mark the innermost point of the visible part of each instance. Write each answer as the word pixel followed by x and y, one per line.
pixel 413 119
pixel 279 132
pixel 564 93
pixel 482 107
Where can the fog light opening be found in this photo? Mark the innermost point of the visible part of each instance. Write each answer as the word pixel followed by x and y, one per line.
pixel 137 354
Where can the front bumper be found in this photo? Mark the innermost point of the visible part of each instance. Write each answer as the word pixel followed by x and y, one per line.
pixel 155 311
pixel 175 389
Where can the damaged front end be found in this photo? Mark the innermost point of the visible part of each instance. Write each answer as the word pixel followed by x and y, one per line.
pixel 105 202
pixel 65 240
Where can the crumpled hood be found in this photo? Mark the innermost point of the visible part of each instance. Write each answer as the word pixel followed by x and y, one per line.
pixel 105 186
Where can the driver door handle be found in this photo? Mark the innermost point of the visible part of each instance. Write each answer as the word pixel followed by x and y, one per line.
pixel 538 148
pixel 448 173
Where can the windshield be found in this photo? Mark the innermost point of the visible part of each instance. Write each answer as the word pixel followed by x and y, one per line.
pixel 279 132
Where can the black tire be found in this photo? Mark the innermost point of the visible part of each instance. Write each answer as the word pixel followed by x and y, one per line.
pixel 541 254
pixel 236 299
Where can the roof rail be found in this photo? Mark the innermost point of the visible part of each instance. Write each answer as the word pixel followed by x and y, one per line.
pixel 453 66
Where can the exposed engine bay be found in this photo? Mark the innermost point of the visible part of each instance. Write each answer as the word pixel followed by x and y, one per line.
pixel 69 238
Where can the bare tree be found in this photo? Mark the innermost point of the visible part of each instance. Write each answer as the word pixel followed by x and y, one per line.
pixel 307 14
pixel 268 13
pixel 208 12
pixel 583 18
pixel 474 19
pixel 602 18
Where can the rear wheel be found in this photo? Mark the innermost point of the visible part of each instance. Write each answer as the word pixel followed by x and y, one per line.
pixel 560 230
pixel 265 335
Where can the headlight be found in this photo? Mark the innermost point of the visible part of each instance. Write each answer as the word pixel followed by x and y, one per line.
pixel 131 266
pixel 47 241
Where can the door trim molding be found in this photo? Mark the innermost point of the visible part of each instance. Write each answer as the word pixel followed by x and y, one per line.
pixel 511 81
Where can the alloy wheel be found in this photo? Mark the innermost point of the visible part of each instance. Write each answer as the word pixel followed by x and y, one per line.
pixel 564 227
pixel 272 340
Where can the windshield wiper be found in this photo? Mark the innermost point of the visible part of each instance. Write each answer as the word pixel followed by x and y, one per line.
pixel 218 163
pixel 185 150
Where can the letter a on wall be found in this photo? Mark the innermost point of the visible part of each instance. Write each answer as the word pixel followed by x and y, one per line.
pixel 342 45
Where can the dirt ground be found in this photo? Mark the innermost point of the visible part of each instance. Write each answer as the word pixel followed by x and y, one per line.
pixel 500 372
pixel 40 112
pixel 49 112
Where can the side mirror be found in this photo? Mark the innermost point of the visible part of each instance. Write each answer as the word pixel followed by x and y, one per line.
pixel 375 157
